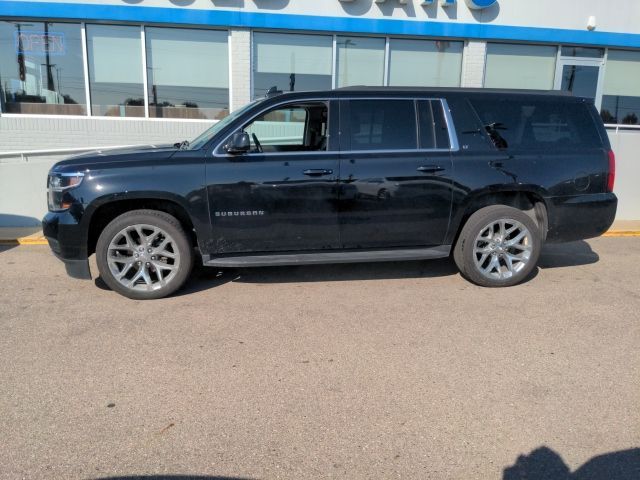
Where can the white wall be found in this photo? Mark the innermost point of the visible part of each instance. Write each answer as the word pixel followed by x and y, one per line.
pixel 23 179
pixel 626 146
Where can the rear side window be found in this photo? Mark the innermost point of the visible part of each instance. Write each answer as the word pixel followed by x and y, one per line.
pixel 537 124
pixel 382 125
pixel 432 125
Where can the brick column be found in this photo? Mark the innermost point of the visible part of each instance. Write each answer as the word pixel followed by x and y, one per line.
pixel 473 63
pixel 240 77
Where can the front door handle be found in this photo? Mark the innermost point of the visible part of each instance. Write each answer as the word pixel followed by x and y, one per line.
pixel 317 172
pixel 430 169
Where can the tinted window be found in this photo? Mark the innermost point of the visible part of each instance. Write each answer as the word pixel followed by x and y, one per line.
pixel 537 124
pixel 433 127
pixel 382 125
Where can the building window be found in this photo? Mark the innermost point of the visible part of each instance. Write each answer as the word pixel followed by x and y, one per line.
pixel 291 62
pixel 425 63
pixel 187 73
pixel 582 52
pixel 621 91
pixel 520 66
pixel 41 68
pixel 115 71
pixel 360 61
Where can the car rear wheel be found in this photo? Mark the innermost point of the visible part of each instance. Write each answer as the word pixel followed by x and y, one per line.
pixel 499 246
pixel 144 254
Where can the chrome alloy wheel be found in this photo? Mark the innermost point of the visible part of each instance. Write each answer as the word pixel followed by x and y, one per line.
pixel 502 249
pixel 143 257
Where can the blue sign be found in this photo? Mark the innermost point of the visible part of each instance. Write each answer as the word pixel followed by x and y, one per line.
pixel 480 4
pixel 474 4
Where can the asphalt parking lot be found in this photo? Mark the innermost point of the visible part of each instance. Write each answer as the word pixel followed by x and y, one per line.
pixel 400 370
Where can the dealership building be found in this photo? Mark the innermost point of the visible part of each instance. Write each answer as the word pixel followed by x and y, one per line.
pixel 83 74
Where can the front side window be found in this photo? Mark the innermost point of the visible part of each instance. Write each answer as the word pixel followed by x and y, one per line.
pixel 520 66
pixel 382 125
pixel 360 61
pixel 292 128
pixel 115 71
pixel 291 62
pixel 187 73
pixel 41 68
pixel 425 63
pixel 537 125
pixel 621 92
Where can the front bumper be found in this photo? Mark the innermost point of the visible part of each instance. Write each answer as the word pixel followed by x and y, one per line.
pixel 68 241
pixel 578 217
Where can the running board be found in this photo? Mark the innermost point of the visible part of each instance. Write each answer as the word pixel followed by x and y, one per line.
pixel 328 257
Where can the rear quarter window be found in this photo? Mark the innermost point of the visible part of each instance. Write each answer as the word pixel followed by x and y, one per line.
pixel 538 124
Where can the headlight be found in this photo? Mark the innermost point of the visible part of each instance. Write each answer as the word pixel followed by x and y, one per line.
pixel 58 185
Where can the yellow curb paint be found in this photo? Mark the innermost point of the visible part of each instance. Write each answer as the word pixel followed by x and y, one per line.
pixel 24 241
pixel 614 233
pixel 32 241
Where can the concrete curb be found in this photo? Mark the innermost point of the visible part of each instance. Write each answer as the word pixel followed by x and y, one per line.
pixel 38 239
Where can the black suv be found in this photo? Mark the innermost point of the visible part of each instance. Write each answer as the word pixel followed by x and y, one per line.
pixel 349 175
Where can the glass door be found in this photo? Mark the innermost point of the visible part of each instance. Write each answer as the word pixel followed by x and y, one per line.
pixel 580 73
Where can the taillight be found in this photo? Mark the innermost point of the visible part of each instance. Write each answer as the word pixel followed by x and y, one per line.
pixel 611 175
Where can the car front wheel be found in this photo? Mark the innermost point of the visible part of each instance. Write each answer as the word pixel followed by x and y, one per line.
pixel 144 254
pixel 499 246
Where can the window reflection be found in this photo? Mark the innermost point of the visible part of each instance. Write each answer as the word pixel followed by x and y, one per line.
pixel 41 68
pixel 360 61
pixel 188 73
pixel 520 66
pixel 291 62
pixel 115 71
pixel 621 91
pixel 425 63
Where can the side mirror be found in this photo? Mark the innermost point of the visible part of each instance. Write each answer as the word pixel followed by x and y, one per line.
pixel 238 143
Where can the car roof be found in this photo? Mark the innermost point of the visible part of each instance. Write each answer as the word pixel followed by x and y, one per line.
pixel 421 91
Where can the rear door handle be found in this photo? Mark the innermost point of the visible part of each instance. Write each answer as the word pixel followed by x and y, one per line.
pixel 430 169
pixel 317 172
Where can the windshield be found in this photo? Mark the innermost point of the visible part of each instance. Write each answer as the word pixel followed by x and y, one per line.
pixel 208 134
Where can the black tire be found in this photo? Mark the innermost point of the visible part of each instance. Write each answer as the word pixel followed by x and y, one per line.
pixel 465 258
pixel 180 244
